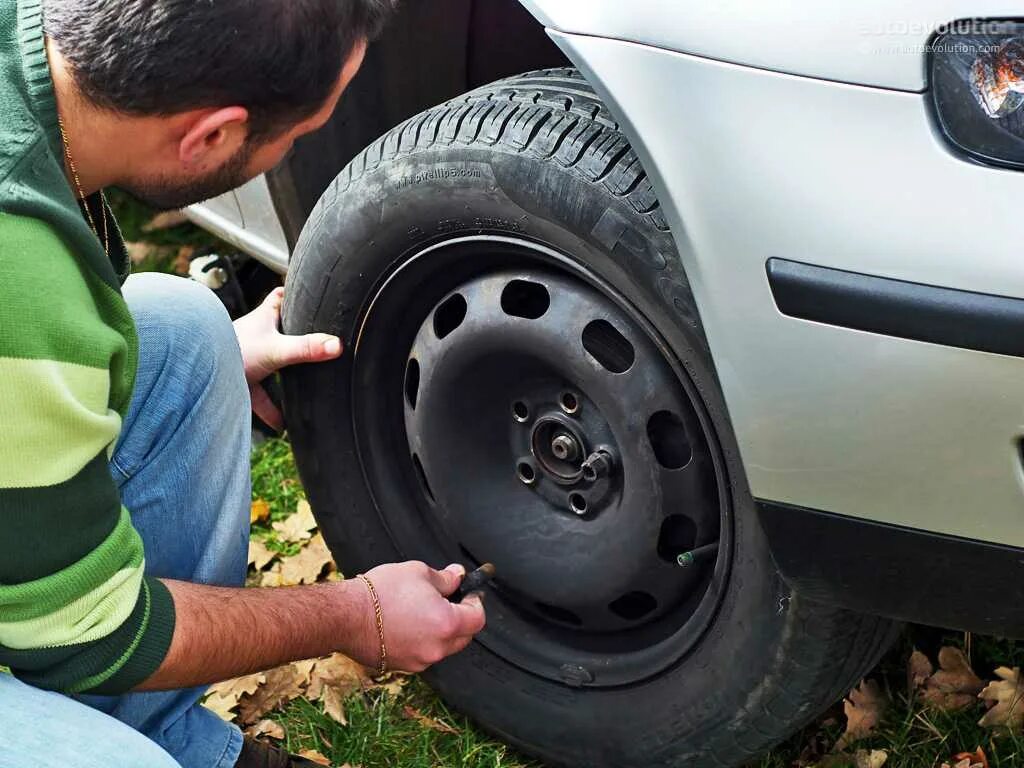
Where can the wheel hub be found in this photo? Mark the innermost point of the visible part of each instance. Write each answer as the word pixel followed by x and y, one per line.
pixel 554 440
pixel 558 448
pixel 513 324
pixel 565 447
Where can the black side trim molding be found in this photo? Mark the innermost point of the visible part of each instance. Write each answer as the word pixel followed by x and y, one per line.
pixel 905 574
pixel 978 321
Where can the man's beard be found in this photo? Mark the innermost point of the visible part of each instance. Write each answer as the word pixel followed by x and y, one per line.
pixel 166 195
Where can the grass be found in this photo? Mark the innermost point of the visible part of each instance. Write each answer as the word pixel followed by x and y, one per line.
pixel 912 736
pixel 380 734
pixel 915 736
pixel 276 481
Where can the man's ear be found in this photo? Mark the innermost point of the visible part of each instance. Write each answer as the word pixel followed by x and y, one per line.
pixel 218 133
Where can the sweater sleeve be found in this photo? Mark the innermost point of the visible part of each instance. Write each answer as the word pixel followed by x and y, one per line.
pixel 77 613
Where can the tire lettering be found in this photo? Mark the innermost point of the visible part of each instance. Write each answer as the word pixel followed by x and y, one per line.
pixel 438 173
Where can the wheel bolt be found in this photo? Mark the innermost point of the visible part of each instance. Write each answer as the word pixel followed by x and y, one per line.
pixel 598 464
pixel 564 447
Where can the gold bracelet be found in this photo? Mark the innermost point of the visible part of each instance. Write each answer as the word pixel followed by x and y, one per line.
pixel 382 668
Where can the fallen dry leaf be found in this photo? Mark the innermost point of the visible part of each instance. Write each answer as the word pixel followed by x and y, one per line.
pixel 919 669
pixel 272 577
pixel 334 705
pixel 260 554
pixel 392 685
pixel 165 220
pixel 306 567
pixel 1006 693
pixel 977 759
pixel 874 758
pixel 334 679
pixel 954 686
pixel 223 706
pixel 297 527
pixel 239 686
pixel 139 252
pixel 305 669
pixel 337 671
pixel 183 260
pixel 862 758
pixel 222 698
pixel 316 757
pixel 864 709
pixel 269 728
pixel 282 685
pixel 430 722
pixel 259 511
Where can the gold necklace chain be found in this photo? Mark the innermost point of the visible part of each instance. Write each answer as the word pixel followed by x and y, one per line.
pixel 81 194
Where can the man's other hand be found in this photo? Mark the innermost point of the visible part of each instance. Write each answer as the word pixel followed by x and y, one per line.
pixel 421 627
pixel 265 350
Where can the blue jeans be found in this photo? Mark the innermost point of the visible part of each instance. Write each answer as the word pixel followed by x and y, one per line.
pixel 182 465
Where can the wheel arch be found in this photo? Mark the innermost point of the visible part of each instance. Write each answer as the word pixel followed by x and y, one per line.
pixel 423 59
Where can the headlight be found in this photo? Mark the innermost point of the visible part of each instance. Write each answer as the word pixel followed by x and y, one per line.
pixel 978 89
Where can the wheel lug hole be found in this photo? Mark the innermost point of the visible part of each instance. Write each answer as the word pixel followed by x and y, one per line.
pixel 570 403
pixel 578 503
pixel 520 411
pixel 527 474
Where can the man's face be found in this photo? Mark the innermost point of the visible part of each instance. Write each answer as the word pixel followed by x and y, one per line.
pixel 251 159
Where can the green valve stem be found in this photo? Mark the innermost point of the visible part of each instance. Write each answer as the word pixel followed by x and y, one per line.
pixel 698 555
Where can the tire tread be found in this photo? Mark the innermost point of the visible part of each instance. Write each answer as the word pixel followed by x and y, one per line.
pixel 550 113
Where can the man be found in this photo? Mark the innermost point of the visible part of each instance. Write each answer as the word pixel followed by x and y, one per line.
pixel 124 439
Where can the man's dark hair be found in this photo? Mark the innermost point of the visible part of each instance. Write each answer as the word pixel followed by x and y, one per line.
pixel 278 58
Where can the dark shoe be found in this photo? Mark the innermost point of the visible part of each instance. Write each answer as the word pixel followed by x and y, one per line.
pixel 258 754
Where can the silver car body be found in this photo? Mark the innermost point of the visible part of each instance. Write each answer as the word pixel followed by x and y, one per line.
pixel 802 130
pixel 246 218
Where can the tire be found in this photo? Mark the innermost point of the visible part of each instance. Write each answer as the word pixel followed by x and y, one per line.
pixel 539 157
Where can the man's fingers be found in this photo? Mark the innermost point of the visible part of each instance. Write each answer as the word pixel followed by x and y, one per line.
pixel 448 580
pixel 274 299
pixel 264 407
pixel 458 645
pixel 270 308
pixel 470 615
pixel 312 348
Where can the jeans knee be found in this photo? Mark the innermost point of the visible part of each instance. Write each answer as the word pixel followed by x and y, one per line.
pixel 190 323
pixel 179 304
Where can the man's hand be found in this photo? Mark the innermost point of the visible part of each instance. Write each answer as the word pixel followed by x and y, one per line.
pixel 223 632
pixel 421 627
pixel 265 350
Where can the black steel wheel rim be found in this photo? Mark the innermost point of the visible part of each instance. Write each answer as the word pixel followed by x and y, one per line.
pixel 512 407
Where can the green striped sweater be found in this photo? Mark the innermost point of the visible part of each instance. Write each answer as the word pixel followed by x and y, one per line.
pixel 77 613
